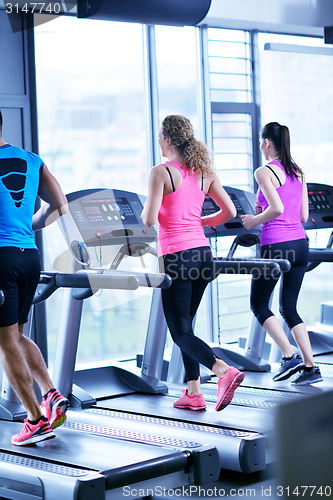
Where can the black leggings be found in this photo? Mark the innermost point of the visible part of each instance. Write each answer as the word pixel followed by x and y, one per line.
pixel 297 252
pixel 190 271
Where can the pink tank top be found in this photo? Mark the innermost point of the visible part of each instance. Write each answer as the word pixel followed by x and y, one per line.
pixel 287 226
pixel 180 216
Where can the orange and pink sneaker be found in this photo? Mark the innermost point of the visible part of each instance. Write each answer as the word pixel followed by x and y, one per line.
pixel 33 433
pixel 187 402
pixel 54 406
pixel 226 387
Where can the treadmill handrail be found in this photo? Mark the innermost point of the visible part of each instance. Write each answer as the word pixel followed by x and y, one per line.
pixel 283 263
pixel 148 469
pixel 320 255
pixel 271 267
pixel 81 279
pixel 155 280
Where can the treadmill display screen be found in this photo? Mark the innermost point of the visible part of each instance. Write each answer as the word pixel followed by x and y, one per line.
pixel 106 217
pixel 240 202
pixel 92 210
pixel 209 206
pixel 320 201
pixel 104 212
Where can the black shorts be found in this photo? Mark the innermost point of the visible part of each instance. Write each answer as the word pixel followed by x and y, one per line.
pixel 19 276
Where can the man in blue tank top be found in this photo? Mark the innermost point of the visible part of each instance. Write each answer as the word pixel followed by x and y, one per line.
pixel 23 178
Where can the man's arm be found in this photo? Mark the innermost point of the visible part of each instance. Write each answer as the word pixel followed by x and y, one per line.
pixel 55 201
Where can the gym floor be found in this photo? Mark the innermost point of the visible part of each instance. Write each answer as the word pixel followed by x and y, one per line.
pixel 301 419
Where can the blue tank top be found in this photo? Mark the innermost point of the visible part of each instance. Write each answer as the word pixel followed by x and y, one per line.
pixel 19 182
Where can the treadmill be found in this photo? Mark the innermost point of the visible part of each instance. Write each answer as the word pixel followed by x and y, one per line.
pixel 244 432
pixel 321 217
pixel 95 460
pixel 101 392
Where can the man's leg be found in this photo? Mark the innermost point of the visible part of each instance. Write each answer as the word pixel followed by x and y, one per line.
pixel 35 361
pixel 54 405
pixel 36 427
pixel 17 370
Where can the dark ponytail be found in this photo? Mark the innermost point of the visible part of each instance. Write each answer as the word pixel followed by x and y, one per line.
pixel 280 137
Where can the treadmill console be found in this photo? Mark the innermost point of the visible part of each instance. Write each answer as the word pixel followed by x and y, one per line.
pixel 320 210
pixel 108 217
pixel 244 202
pixel 320 206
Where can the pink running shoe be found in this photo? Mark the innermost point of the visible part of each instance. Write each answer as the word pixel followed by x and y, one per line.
pixel 187 402
pixel 226 387
pixel 33 433
pixel 54 408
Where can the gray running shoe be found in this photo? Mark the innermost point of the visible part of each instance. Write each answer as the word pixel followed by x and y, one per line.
pixel 288 367
pixel 304 378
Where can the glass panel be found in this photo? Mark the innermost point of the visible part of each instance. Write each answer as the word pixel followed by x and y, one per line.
pixel 305 81
pixel 230 117
pixel 177 94
pixel 230 96
pixel 226 34
pixel 297 91
pixel 92 135
pixel 177 72
pixel 233 161
pixel 84 109
pixel 227 49
pixel 236 129
pixel 224 145
pixel 223 82
pixel 230 81
pixel 228 65
pixel 233 302
pixel 236 178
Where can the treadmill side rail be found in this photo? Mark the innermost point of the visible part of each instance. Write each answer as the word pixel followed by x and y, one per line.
pixel 252 455
pixel 93 487
pixel 205 467
pixel 201 465
pixel 24 477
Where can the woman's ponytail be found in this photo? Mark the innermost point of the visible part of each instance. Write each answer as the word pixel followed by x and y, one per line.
pixel 280 137
pixel 195 153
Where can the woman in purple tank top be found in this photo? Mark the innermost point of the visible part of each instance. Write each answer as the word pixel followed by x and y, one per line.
pixel 176 194
pixel 282 205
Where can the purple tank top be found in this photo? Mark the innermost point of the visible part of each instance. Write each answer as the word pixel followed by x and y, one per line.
pixel 287 226
pixel 179 217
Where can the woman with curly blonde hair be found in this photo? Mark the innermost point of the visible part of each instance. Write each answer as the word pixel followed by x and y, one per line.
pixel 176 193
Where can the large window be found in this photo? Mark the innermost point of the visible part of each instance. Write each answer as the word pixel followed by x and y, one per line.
pixel 231 102
pixel 231 94
pixel 177 82
pixel 177 72
pixel 229 65
pixel 297 91
pixel 90 103
pixel 92 135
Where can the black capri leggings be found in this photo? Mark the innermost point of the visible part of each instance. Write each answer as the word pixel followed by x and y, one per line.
pixel 297 252
pixel 190 271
